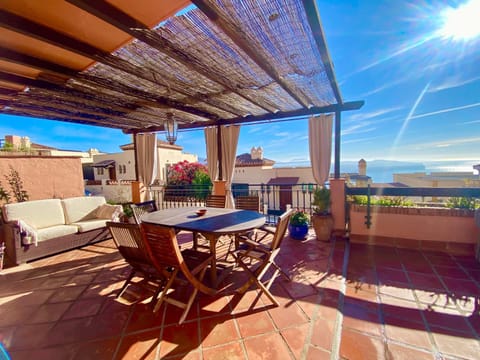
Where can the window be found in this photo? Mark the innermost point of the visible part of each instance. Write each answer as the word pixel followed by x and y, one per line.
pixel 99 171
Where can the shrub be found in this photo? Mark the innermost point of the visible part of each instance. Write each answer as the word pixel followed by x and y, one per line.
pixel 382 201
pixel 462 203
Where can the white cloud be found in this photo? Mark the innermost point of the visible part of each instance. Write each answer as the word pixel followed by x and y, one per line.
pixel 445 110
pixel 453 82
pixel 373 114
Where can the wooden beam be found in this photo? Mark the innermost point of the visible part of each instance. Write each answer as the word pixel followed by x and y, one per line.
pixel 235 34
pixel 313 17
pixel 24 26
pixel 123 21
pixel 279 116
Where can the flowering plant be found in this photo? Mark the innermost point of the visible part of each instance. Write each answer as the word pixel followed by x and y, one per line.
pixel 184 173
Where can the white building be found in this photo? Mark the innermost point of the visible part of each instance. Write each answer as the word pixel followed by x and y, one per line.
pixel 121 166
pixel 438 179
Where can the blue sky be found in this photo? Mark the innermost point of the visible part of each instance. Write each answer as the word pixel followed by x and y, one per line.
pixel 421 91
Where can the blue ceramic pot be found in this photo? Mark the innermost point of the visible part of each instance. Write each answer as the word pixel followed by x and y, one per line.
pixel 298 232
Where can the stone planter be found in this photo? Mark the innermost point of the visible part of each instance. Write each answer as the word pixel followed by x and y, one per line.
pixel 323 225
pixel 440 229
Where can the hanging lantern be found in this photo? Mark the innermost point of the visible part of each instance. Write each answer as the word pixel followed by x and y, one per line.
pixel 171 127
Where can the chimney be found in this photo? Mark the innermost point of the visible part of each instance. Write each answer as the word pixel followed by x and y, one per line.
pixel 362 167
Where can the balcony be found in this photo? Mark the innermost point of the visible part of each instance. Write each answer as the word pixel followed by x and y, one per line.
pixel 345 300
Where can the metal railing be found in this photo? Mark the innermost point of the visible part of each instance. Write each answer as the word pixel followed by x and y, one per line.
pixel 273 198
pixel 421 196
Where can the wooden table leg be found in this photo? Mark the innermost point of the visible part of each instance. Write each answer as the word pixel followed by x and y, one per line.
pixel 212 239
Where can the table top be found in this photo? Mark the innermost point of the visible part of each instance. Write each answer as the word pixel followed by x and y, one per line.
pixel 215 220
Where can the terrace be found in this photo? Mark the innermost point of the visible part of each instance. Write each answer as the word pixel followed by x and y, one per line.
pixel 345 300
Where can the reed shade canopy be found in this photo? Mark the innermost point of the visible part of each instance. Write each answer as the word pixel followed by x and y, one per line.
pixel 130 64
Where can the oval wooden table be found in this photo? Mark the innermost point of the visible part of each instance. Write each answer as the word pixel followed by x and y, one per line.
pixel 213 224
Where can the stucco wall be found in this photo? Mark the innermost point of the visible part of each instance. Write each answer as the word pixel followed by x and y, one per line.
pixel 45 177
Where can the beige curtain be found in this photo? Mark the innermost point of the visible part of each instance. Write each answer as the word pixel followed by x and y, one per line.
pixel 147 160
pixel 229 154
pixel 320 144
pixel 212 156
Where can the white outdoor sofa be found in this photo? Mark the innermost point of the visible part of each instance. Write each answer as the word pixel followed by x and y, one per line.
pixel 34 229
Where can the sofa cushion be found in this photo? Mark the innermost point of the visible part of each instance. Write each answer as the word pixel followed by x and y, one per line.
pixel 88 225
pixel 81 208
pixel 55 231
pixel 37 213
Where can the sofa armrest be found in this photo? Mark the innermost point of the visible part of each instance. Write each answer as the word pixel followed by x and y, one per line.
pixel 12 238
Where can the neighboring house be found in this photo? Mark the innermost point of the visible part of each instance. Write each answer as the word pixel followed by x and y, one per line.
pixel 121 166
pixel 22 145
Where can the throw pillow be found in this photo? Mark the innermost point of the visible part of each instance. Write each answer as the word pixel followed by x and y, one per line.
pixel 109 212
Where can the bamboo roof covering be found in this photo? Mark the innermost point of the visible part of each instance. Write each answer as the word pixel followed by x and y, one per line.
pixel 127 64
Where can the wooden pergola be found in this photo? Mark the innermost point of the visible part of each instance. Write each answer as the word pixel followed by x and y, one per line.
pixel 131 65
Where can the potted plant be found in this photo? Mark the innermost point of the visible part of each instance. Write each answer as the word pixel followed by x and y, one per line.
pixel 298 225
pixel 322 221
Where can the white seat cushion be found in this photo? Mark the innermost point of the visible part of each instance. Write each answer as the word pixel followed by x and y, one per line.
pixel 88 225
pixel 81 208
pixel 55 231
pixel 37 213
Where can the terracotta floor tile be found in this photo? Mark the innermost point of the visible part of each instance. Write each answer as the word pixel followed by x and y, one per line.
pixel 462 287
pixel 255 324
pixel 355 317
pixel 407 332
pixel 287 315
pixel 425 281
pixel 322 334
pixel 56 352
pixel 250 301
pixel 362 293
pixel 450 272
pixel 110 320
pixel 447 319
pixel 453 343
pixel 218 330
pixel 83 308
pixel 295 338
pixel 191 355
pixel 398 291
pixel 179 339
pixel 68 293
pixel 231 351
pixel 268 346
pixel 99 349
pixel 49 312
pixel 213 305
pixel 385 276
pixel 143 318
pixel 28 337
pixel 70 331
pixel 298 290
pixel 399 352
pixel 355 346
pixel 317 354
pixel 139 346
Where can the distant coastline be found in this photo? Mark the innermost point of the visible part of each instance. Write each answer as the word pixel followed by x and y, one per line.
pixel 381 171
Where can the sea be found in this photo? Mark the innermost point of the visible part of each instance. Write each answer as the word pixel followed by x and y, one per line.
pixel 381 171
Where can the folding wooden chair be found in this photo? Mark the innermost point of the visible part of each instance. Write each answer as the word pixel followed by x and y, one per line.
pixel 142 208
pixel 244 202
pixel 162 247
pixel 216 201
pixel 261 257
pixel 129 242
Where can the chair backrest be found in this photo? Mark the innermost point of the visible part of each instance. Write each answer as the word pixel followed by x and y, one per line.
pixel 161 244
pixel 128 239
pixel 142 208
pixel 281 228
pixel 217 201
pixel 247 203
pixel 163 249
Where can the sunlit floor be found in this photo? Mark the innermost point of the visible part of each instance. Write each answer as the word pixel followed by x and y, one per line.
pixel 345 301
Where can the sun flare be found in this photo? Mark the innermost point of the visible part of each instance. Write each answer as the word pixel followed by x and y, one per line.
pixel 461 23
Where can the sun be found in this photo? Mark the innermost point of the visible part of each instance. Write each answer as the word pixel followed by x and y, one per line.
pixel 461 23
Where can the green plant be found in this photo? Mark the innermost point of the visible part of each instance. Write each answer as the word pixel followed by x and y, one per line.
pixel 16 185
pixel 462 203
pixel 321 201
pixel 202 185
pixel 382 201
pixel 299 218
